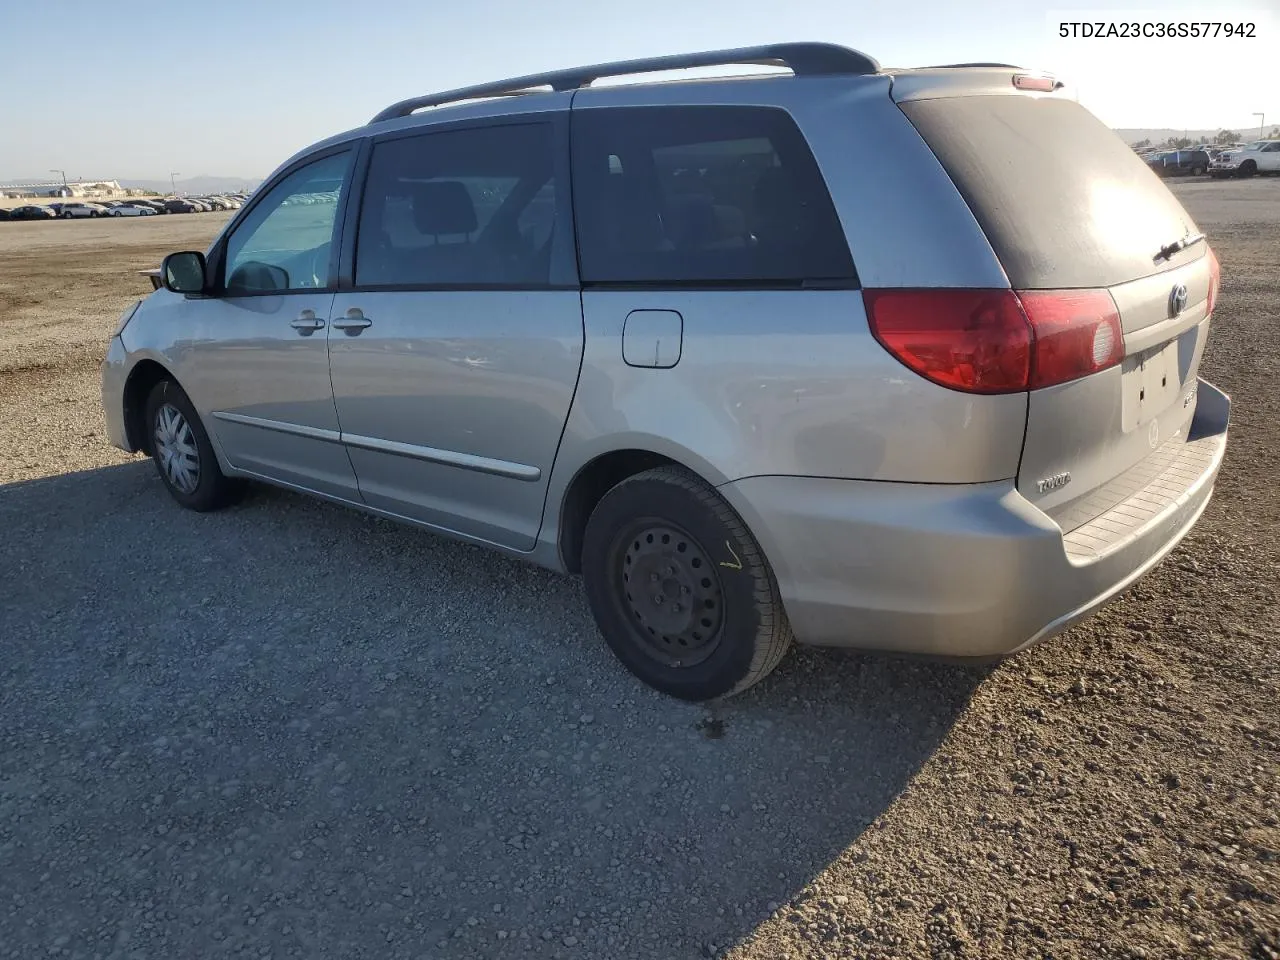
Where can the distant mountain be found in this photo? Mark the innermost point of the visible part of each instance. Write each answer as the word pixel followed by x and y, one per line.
pixel 196 185
pixel 1195 136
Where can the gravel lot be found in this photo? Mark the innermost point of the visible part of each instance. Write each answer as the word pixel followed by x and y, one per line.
pixel 291 730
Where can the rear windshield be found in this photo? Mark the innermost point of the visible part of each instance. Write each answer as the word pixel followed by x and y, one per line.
pixel 1063 200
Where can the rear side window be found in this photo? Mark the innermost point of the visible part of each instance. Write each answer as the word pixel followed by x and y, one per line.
pixel 473 207
pixel 701 195
pixel 1062 199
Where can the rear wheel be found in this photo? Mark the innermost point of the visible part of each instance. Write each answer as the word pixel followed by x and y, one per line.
pixel 66 216
pixel 680 588
pixel 182 452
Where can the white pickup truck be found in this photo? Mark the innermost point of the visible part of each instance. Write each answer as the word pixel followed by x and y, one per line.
pixel 1261 156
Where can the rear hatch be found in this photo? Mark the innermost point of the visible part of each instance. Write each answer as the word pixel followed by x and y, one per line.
pixel 1068 206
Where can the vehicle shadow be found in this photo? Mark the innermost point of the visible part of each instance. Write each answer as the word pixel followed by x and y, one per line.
pixel 292 727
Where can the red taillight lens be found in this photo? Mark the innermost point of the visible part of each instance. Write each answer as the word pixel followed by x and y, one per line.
pixel 978 341
pixel 1215 281
pixel 1025 81
pixel 1077 332
pixel 998 341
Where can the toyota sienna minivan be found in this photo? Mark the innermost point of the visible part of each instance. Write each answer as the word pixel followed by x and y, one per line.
pixel 895 359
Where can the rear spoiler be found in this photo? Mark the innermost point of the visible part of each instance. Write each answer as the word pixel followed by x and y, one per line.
pixel 156 283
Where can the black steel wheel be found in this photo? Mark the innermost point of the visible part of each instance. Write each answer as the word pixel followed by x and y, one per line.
pixel 680 588
pixel 671 588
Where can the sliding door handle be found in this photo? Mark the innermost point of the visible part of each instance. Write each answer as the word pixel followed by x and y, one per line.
pixel 352 322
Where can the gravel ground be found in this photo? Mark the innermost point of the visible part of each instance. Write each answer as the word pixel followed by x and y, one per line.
pixel 291 730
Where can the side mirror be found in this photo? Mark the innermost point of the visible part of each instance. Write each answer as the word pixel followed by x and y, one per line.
pixel 254 277
pixel 183 272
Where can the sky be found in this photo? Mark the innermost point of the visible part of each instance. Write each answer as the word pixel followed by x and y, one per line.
pixel 146 88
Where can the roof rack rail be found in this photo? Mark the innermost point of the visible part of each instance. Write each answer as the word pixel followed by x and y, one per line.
pixel 804 60
pixel 949 66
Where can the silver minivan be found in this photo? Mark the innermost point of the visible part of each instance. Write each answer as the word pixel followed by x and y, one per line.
pixel 902 360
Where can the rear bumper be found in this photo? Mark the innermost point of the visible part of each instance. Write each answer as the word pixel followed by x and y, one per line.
pixel 963 570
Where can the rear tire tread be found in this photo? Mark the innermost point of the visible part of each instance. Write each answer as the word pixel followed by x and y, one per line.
pixel 773 636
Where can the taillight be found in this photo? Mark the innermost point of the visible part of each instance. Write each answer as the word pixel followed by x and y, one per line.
pixel 1215 281
pixel 1077 332
pixel 978 341
pixel 998 341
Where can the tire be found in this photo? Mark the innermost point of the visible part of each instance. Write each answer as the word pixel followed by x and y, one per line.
pixel 66 216
pixel 669 531
pixel 1248 168
pixel 1197 171
pixel 180 431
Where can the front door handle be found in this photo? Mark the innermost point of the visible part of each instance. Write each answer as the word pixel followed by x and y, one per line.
pixel 307 323
pixel 352 322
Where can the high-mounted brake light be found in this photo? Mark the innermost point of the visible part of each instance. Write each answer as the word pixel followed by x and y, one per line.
pixel 1025 81
pixel 998 341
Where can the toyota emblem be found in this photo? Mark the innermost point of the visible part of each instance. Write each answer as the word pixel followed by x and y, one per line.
pixel 1177 299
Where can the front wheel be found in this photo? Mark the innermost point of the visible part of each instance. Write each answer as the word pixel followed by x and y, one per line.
pixel 182 452
pixel 1248 168
pixel 680 588
pixel 66 216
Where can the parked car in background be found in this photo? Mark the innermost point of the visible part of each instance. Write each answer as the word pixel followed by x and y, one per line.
pixel 178 205
pixel 32 212
pixel 129 210
pixel 967 413
pixel 155 205
pixel 1261 156
pixel 1177 163
pixel 74 210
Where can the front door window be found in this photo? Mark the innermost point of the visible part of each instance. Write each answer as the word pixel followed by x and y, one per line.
pixel 285 243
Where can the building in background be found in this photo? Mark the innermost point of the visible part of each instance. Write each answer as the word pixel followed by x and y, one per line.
pixel 59 188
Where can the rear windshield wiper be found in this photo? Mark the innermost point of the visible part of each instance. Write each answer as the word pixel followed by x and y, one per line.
pixel 1190 240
